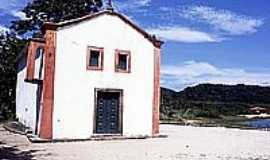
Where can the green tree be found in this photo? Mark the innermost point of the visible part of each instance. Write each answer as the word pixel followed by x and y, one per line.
pixel 10 46
pixel 39 11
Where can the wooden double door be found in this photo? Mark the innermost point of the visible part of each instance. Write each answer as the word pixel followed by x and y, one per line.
pixel 108 112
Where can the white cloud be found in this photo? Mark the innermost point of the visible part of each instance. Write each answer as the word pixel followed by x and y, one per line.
pixel 183 34
pixel 223 20
pixel 142 2
pixel 215 25
pixel 3 29
pixel 192 73
pixel 132 5
pixel 18 14
pixel 7 4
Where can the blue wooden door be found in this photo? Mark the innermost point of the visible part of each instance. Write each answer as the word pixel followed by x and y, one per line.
pixel 107 113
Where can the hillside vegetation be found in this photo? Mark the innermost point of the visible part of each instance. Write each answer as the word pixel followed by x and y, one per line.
pixel 212 101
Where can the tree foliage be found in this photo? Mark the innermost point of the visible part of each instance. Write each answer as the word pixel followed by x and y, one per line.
pixel 212 101
pixel 10 46
pixel 39 11
pixel 227 93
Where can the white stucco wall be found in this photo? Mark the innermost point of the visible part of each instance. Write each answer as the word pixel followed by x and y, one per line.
pixel 73 112
pixel 26 94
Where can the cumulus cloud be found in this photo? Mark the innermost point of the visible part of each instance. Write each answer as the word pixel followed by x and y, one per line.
pixel 183 34
pixel 143 2
pixel 3 29
pixel 201 23
pixel 18 14
pixel 223 20
pixel 191 73
pixel 131 5
pixel 7 4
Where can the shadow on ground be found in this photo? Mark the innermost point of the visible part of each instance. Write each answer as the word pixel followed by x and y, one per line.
pixel 13 153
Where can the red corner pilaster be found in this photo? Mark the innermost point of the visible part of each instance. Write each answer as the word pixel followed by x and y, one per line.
pixel 46 122
pixel 156 94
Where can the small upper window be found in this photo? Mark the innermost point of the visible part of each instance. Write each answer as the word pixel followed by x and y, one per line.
pixel 94 58
pixel 123 60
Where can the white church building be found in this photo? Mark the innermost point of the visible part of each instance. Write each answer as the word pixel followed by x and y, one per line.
pixel 95 75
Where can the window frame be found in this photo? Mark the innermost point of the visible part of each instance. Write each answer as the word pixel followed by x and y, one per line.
pixel 122 52
pixel 100 59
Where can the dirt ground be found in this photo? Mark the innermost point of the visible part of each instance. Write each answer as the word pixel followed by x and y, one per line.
pixel 183 143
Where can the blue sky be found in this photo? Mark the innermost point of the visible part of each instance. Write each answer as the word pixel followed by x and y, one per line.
pixel 206 41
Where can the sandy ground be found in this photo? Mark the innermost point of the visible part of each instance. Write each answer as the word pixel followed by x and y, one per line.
pixel 194 143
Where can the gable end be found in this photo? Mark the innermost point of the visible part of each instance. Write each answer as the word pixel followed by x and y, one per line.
pixel 54 26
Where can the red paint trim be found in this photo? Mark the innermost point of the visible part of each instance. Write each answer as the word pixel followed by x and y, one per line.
pixel 31 57
pixel 54 26
pixel 30 63
pixel 156 94
pixel 101 58
pixel 46 123
pixel 116 62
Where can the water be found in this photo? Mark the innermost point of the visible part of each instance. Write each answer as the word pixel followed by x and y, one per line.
pixel 261 123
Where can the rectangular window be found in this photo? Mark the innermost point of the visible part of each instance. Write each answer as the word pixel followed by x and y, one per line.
pixel 122 61
pixel 95 58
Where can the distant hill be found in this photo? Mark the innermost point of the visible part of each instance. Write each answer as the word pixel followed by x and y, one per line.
pixel 212 100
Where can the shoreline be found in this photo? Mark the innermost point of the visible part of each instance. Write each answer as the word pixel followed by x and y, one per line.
pixel 227 122
pixel 256 116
